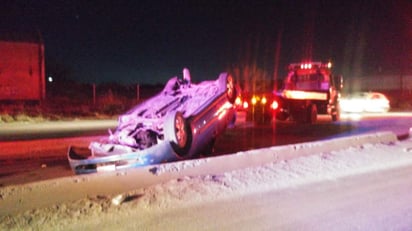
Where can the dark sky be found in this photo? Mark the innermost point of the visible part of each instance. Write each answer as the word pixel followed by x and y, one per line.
pixel 143 41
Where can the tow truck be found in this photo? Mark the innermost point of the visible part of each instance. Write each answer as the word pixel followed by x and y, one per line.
pixel 309 89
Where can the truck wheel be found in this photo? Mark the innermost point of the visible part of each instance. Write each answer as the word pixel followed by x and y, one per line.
pixel 336 115
pixel 312 114
pixel 281 116
pixel 177 131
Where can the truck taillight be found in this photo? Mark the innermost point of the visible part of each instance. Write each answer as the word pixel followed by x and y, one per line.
pixel 238 101
pixel 274 105
pixel 264 100
pixel 254 100
pixel 245 105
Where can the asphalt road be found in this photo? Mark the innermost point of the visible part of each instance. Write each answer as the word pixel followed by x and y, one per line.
pixel 54 129
pixel 248 136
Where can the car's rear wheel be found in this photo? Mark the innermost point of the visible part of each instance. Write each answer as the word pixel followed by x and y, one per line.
pixel 230 89
pixel 177 131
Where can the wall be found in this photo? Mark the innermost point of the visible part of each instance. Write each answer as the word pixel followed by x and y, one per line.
pixel 379 83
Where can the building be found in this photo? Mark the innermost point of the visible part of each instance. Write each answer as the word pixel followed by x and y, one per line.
pixel 22 68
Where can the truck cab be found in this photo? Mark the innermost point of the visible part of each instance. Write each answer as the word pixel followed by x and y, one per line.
pixel 309 89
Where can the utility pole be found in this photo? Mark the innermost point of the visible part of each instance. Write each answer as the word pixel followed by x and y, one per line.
pixel 277 57
pixel 94 94
pixel 138 92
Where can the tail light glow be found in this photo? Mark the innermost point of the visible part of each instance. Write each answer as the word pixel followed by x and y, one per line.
pixel 264 100
pixel 254 100
pixel 245 105
pixel 238 101
pixel 274 105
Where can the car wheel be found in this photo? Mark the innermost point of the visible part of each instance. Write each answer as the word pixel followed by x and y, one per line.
pixel 230 89
pixel 177 131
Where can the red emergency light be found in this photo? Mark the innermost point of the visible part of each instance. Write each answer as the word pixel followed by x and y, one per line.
pixel 309 65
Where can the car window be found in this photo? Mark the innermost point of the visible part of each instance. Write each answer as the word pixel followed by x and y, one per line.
pixel 315 81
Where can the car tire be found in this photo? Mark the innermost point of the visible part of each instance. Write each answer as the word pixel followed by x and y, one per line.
pixel 177 132
pixel 230 89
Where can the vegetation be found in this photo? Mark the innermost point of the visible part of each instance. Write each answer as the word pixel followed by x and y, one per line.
pixel 71 100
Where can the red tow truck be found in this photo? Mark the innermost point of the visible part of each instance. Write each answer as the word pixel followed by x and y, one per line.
pixel 309 89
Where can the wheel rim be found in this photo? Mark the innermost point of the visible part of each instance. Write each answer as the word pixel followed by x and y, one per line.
pixel 180 130
pixel 230 87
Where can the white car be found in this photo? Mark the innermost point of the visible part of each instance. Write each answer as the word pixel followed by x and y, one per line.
pixel 180 122
pixel 364 102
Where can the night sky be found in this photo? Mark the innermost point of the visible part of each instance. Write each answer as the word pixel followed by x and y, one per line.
pixel 150 41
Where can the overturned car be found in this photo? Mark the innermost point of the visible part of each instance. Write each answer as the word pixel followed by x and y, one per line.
pixel 180 122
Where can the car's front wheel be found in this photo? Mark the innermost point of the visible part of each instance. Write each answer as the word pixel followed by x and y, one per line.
pixel 177 131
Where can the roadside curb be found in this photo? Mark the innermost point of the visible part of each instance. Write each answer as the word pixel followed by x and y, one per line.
pixel 29 196
pixel 258 157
